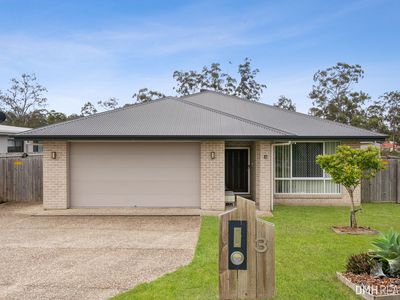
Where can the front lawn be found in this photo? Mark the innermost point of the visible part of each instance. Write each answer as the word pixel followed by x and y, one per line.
pixel 308 254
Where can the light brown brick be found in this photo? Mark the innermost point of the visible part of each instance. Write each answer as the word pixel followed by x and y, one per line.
pixel 212 175
pixel 56 175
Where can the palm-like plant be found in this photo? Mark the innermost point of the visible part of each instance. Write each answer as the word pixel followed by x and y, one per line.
pixel 388 252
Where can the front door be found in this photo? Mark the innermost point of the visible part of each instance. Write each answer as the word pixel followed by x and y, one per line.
pixel 237 170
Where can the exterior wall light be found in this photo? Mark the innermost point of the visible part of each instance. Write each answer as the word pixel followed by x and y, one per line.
pixel 266 156
pixel 212 155
pixel 53 155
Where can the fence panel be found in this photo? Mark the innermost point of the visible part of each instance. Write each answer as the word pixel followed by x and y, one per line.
pixel 385 186
pixel 21 179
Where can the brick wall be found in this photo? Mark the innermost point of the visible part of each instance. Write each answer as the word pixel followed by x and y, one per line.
pixel 212 175
pixel 263 196
pixel 55 175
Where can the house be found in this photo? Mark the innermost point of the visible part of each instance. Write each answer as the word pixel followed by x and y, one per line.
pixel 187 151
pixel 389 146
pixel 8 144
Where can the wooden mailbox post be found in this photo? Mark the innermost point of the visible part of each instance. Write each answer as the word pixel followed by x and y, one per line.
pixel 246 254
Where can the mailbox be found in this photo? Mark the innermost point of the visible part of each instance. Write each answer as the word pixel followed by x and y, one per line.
pixel 237 245
pixel 246 254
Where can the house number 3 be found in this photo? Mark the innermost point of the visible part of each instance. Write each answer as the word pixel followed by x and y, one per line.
pixel 261 245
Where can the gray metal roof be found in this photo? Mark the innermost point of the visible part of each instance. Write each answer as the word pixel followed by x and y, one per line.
pixel 292 122
pixel 202 115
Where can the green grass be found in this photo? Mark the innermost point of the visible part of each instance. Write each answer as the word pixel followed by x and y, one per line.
pixel 308 254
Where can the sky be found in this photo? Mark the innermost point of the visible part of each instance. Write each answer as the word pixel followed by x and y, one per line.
pixel 93 50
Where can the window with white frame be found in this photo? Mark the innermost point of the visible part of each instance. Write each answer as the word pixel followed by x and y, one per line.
pixel 296 171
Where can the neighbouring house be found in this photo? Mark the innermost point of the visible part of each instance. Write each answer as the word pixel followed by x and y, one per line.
pixel 8 144
pixel 189 151
pixel 390 146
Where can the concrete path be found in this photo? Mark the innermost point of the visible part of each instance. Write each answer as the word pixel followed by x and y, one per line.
pixel 87 257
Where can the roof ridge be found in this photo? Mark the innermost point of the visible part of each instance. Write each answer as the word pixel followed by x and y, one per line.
pixel 285 110
pixel 97 114
pixel 233 116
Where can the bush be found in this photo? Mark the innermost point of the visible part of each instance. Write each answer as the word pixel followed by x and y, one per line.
pixel 359 263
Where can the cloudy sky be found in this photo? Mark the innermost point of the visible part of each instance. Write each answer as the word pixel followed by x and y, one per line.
pixel 92 50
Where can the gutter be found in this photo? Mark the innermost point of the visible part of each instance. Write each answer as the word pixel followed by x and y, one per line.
pixel 197 137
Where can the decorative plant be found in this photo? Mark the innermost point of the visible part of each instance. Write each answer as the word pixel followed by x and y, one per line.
pixel 359 264
pixel 348 166
pixel 387 252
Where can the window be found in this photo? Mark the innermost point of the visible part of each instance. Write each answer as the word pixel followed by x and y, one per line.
pixel 296 171
pixel 15 145
pixel 304 155
pixel 37 148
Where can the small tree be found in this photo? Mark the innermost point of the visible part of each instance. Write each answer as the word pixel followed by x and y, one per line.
pixel 348 166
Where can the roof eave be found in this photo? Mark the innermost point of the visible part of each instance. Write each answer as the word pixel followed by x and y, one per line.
pixel 196 137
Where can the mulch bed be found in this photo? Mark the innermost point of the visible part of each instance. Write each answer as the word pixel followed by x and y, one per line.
pixel 375 286
pixel 350 230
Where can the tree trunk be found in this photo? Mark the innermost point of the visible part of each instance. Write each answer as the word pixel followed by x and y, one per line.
pixel 353 219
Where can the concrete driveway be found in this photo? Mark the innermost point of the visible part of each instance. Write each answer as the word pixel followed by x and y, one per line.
pixel 87 257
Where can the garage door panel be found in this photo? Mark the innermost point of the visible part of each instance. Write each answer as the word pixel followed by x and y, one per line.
pixel 101 173
pixel 133 188
pixel 134 160
pixel 152 200
pixel 107 174
pixel 86 148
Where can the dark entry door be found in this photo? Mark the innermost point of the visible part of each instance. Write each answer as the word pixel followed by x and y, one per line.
pixel 237 170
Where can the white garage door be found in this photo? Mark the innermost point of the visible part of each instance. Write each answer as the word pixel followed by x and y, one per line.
pixel 129 174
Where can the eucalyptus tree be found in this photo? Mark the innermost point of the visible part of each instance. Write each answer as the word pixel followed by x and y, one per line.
pixel 285 103
pixel 334 97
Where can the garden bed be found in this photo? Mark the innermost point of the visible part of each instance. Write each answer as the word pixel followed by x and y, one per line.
pixel 355 231
pixel 371 288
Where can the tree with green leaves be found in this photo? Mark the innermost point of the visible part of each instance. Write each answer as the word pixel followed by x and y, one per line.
pixel 24 101
pixel 187 82
pixel 348 166
pixel 88 109
pixel 146 95
pixel 375 119
pixel 248 87
pixel 285 103
pixel 333 95
pixel 55 117
pixel 391 102
pixel 109 104
pixel 212 78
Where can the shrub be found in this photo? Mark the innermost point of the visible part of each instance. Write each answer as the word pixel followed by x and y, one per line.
pixel 388 252
pixel 359 263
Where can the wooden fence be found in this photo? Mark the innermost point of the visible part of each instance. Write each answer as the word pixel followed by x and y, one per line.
pixel 21 179
pixel 385 186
